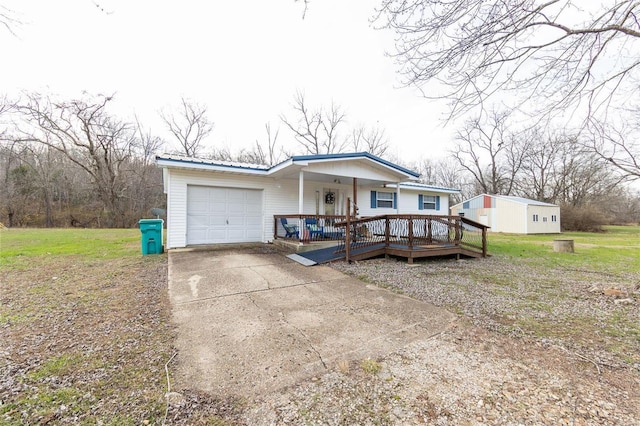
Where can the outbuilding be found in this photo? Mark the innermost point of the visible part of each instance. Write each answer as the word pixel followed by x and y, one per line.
pixel 503 213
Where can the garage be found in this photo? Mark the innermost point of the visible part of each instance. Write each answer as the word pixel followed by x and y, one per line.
pixel 223 215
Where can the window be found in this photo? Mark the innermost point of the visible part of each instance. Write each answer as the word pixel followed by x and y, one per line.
pixel 429 202
pixel 544 218
pixel 554 218
pixel 384 200
pixel 535 217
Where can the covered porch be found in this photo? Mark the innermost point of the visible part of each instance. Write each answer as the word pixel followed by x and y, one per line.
pixel 408 236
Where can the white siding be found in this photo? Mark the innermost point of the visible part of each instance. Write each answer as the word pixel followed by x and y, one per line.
pixel 544 225
pixel 359 169
pixel 509 217
pixel 280 197
pixel 408 202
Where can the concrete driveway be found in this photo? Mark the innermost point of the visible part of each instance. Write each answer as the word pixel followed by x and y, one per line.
pixel 252 321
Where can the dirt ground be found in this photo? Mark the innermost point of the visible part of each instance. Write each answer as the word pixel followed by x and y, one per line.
pixel 88 342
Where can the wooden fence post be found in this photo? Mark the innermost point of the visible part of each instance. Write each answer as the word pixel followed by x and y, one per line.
pixel 410 226
pixel 484 242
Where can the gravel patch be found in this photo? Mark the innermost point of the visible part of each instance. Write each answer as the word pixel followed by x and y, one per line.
pixel 531 347
pixel 561 306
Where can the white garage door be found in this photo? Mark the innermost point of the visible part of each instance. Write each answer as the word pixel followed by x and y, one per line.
pixel 223 215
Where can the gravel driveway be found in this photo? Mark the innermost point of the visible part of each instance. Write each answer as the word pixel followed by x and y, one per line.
pixel 492 368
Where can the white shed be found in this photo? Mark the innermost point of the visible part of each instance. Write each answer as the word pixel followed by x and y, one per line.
pixel 515 215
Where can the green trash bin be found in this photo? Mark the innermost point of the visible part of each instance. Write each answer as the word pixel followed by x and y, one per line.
pixel 151 230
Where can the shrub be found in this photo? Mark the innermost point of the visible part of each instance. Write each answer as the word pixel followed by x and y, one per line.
pixel 587 218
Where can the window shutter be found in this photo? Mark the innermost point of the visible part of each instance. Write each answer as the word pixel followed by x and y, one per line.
pixel 373 199
pixel 437 202
pixel 395 200
pixel 420 202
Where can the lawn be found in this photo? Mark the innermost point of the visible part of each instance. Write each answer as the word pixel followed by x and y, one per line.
pixel 85 328
pixel 19 246
pixel 615 250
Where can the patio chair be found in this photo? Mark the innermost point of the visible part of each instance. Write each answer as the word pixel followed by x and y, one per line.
pixel 291 230
pixel 314 229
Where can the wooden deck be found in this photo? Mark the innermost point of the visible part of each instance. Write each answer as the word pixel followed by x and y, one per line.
pixel 410 254
pixel 408 236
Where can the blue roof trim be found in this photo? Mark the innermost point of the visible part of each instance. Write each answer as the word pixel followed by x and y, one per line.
pixel 255 167
pixel 354 155
pixel 214 163
pixel 425 186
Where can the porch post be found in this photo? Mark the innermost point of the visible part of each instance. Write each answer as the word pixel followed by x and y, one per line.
pixel 355 195
pixel 301 192
pixel 301 228
pixel 397 197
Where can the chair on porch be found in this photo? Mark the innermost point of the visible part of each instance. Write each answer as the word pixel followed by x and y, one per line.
pixel 311 223
pixel 291 230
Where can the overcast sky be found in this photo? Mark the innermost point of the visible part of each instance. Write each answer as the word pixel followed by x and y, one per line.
pixel 243 59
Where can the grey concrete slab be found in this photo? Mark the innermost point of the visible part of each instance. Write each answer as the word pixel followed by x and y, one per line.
pixel 262 322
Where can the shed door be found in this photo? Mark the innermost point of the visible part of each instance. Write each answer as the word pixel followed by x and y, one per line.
pixel 223 215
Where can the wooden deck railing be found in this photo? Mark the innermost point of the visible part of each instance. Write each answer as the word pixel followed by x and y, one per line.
pixel 413 232
pixel 414 235
pixel 307 228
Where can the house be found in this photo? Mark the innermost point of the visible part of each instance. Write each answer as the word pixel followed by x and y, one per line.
pixel 511 214
pixel 210 201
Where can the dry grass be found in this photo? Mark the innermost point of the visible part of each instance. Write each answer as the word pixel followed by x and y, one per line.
pixel 86 333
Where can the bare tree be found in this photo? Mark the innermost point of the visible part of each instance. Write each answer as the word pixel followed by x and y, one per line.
pixel 484 148
pixel 557 54
pixel 583 177
pixel 8 19
pixel 306 6
pixel 84 132
pixel 617 145
pixel 372 140
pixel 316 130
pixel 190 126
pixel 446 173
pixel 148 190
pixel 267 153
pixel 540 177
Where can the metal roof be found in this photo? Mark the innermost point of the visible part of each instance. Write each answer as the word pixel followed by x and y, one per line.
pixel 199 163
pixel 424 187
pixel 519 200
pixel 522 200
pixel 209 162
pixel 354 155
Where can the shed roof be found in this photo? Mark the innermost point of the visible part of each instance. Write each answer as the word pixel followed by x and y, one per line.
pixel 519 200
pixel 522 200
